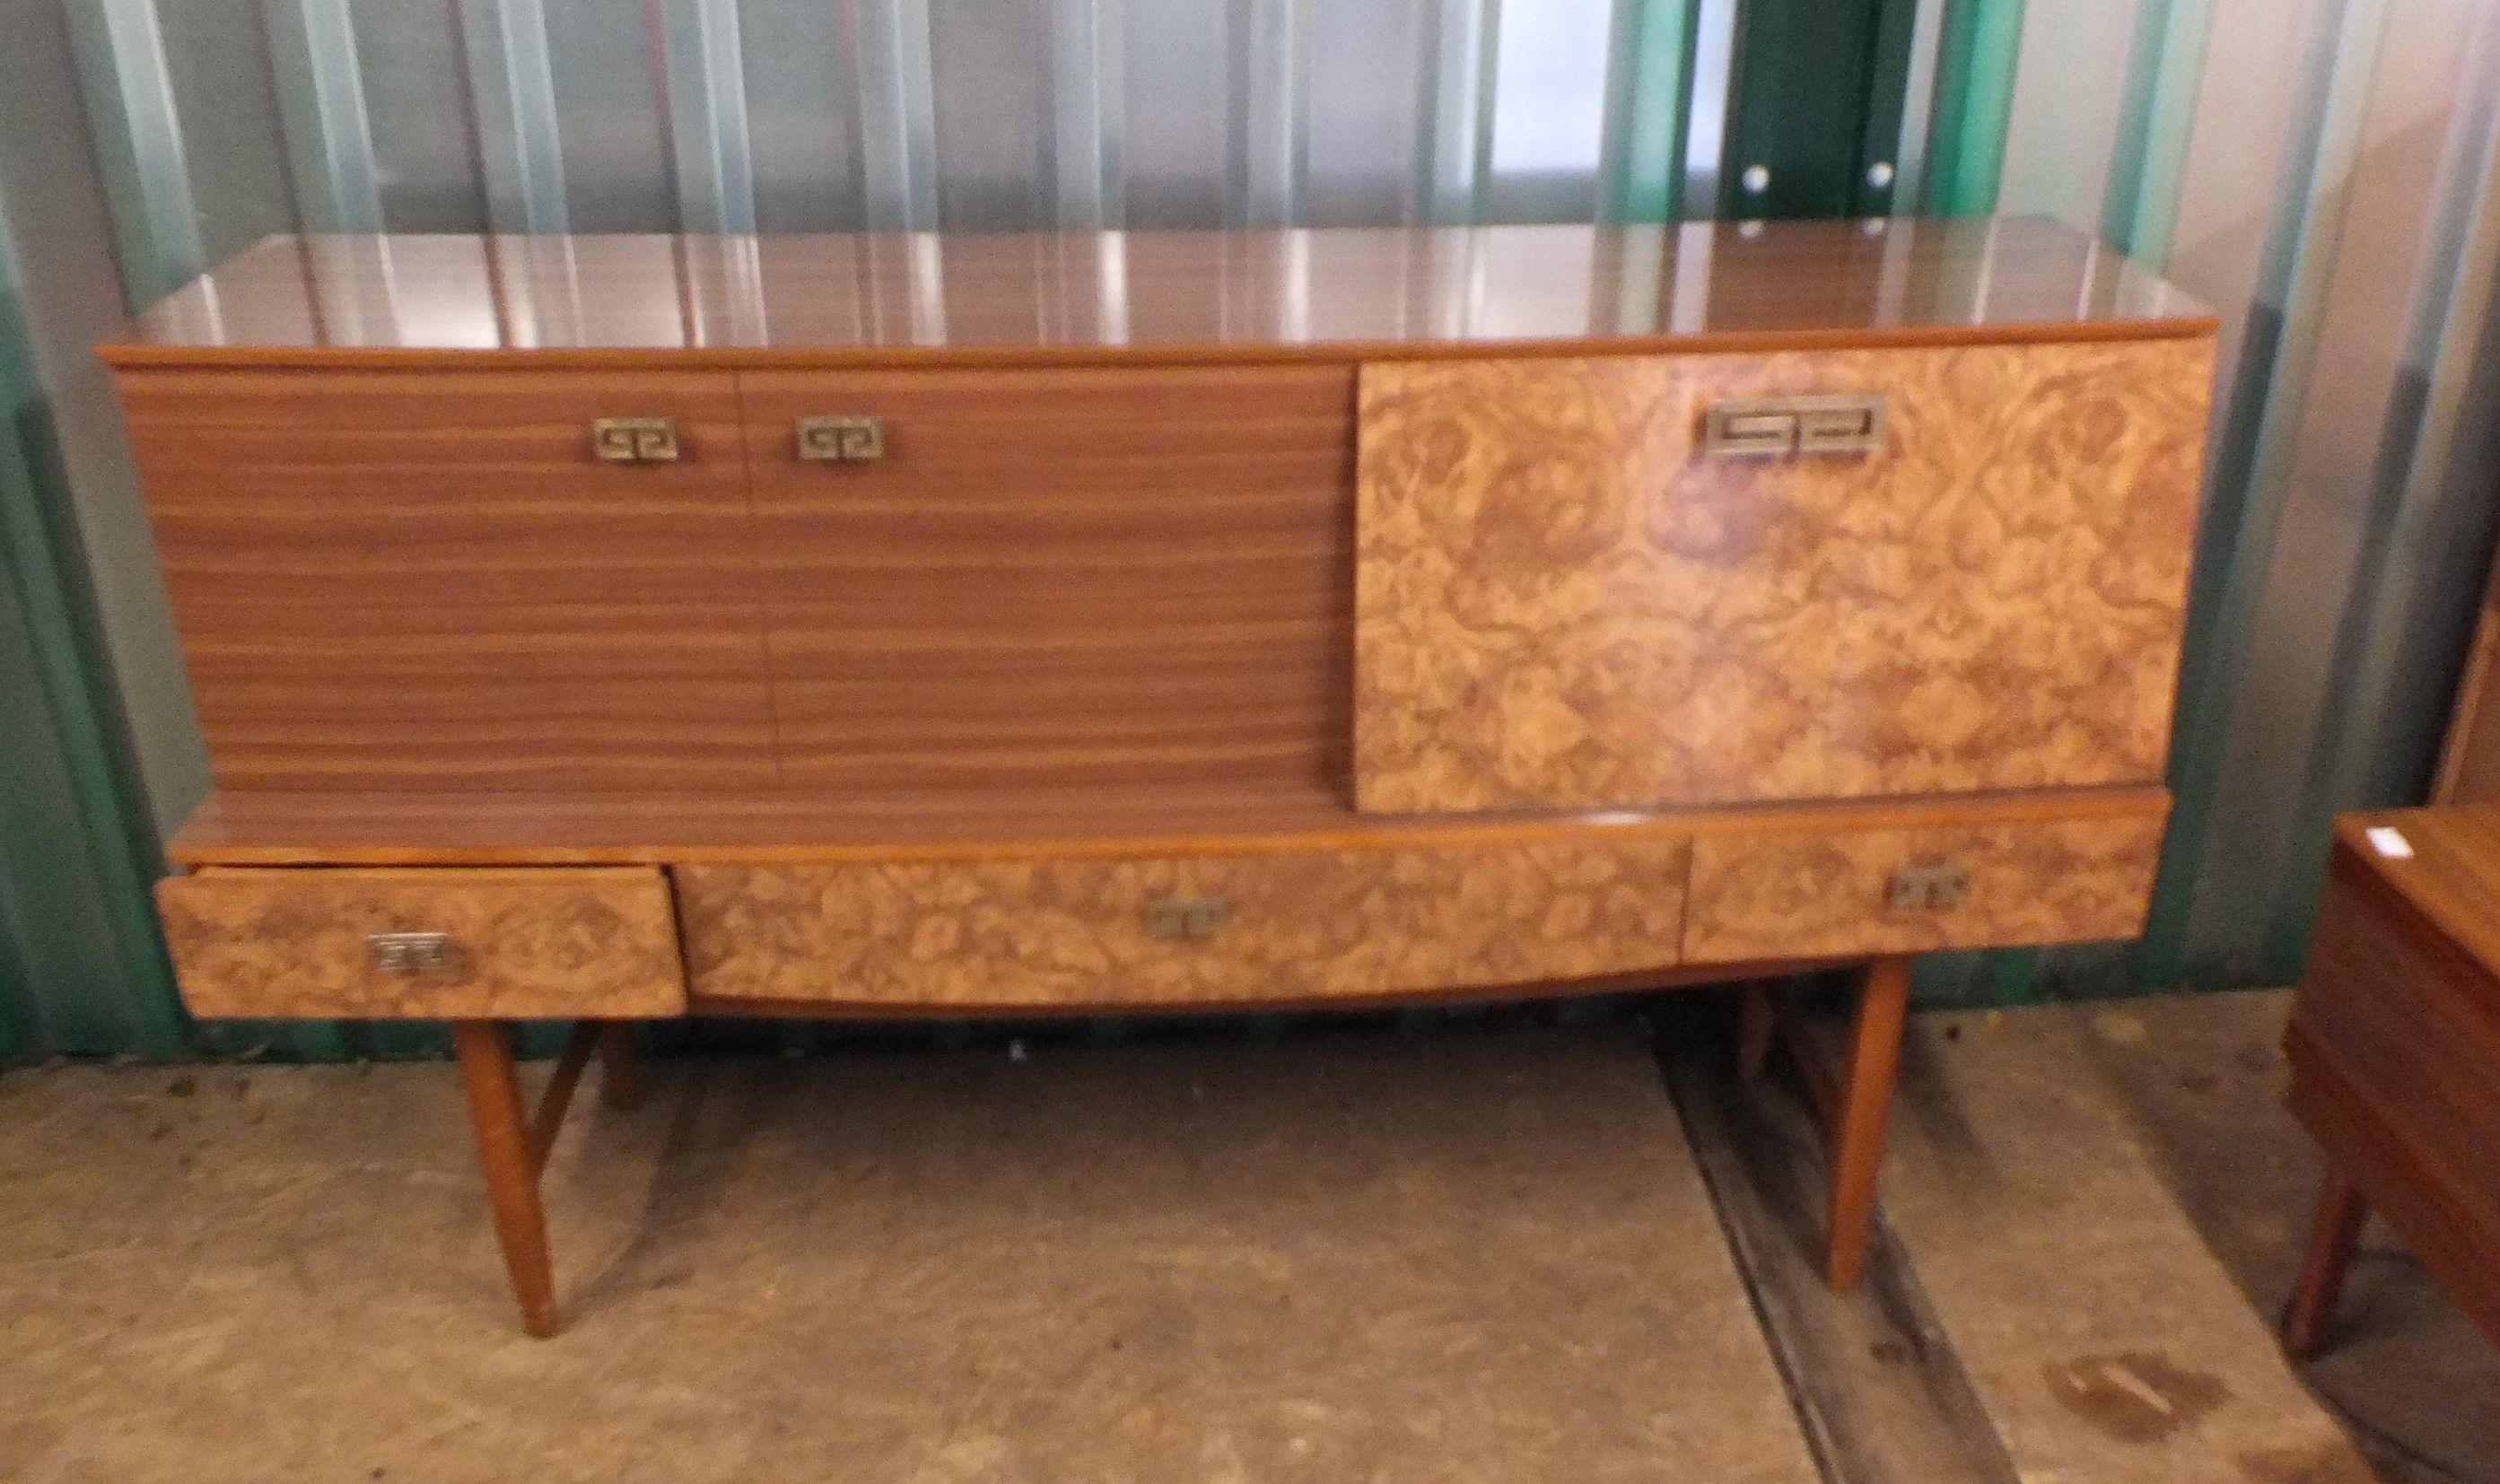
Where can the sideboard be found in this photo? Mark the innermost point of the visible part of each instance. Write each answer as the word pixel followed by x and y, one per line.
pixel 622 627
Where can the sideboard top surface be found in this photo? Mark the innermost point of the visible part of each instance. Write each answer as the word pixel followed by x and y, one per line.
pixel 1091 297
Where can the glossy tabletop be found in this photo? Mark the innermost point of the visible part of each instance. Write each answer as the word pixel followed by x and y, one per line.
pixel 870 299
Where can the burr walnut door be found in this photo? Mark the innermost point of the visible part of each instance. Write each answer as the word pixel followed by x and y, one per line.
pixel 1570 593
pixel 1137 575
pixel 432 580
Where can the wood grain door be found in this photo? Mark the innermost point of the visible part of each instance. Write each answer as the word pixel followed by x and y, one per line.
pixel 425 579
pixel 1563 600
pixel 1100 576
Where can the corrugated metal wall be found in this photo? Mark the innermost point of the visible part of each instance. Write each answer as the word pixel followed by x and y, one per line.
pixel 2322 170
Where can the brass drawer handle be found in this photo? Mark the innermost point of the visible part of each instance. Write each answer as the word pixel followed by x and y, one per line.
pixel 634 440
pixel 412 953
pixel 842 440
pixel 1779 426
pixel 1927 888
pixel 1189 918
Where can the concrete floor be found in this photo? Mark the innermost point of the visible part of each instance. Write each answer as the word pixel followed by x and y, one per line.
pixel 1475 1254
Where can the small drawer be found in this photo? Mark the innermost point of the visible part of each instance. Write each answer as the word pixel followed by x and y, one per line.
pixel 1247 929
pixel 424 943
pixel 1811 892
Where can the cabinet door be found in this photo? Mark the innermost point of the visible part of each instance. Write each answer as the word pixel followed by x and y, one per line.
pixel 1137 575
pixel 405 580
pixel 1566 600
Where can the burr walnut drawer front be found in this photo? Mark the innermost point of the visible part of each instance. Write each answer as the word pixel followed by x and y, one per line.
pixel 1809 892
pixel 1185 930
pixel 424 943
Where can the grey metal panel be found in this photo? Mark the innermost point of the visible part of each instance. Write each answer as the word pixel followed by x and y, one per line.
pixel 995 130
pixel 510 84
pixel 803 121
pixel 1365 74
pixel 704 102
pixel 1552 81
pixel 1088 97
pixel 418 114
pixel 321 107
pixel 227 104
pixel 1176 128
pixel 893 80
pixel 602 59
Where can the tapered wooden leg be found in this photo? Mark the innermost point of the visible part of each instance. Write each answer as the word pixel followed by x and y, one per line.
pixel 1867 1101
pixel 1755 1021
pixel 502 1125
pixel 620 1078
pixel 2332 1237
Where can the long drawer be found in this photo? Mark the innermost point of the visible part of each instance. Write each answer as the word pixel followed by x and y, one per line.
pixel 1211 930
pixel 424 943
pixel 1813 890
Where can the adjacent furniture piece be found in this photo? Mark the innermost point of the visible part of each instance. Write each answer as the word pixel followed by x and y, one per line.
pixel 617 626
pixel 2395 1055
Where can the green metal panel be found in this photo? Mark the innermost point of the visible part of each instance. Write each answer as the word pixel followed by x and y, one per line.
pixel 1653 67
pixel 1975 64
pixel 86 968
pixel 1816 102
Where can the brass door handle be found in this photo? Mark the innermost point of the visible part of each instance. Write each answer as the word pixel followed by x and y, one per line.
pixel 412 953
pixel 634 440
pixel 842 440
pixel 1186 917
pixel 1776 427
pixel 1927 888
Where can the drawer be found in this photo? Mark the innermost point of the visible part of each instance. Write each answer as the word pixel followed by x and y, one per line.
pixel 1199 930
pixel 431 579
pixel 1816 892
pixel 1568 595
pixel 291 943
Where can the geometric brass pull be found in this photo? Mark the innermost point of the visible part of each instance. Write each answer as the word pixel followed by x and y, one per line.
pixel 635 440
pixel 1185 918
pixel 412 953
pixel 1927 888
pixel 1776 427
pixel 842 440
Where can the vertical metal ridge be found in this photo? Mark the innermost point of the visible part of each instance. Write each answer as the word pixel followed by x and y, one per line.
pixel 1977 55
pixel 1271 82
pixel 511 92
pixel 129 97
pixel 1649 65
pixel 1454 126
pixel 897 94
pixel 1709 100
pixel 1087 109
pixel 2296 267
pixel 2157 114
pixel 1917 108
pixel 704 97
pixel 321 112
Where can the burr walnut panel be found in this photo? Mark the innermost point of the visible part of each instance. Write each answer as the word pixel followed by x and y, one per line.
pixel 425 579
pixel 1806 891
pixel 522 943
pixel 1082 933
pixel 1561 602
pixel 1140 576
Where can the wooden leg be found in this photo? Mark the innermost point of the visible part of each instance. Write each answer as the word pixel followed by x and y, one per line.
pixel 502 1123
pixel 620 1079
pixel 1866 1100
pixel 2332 1237
pixel 1755 1021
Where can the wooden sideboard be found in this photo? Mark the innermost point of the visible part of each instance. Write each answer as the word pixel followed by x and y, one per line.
pixel 615 627
pixel 2394 1045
